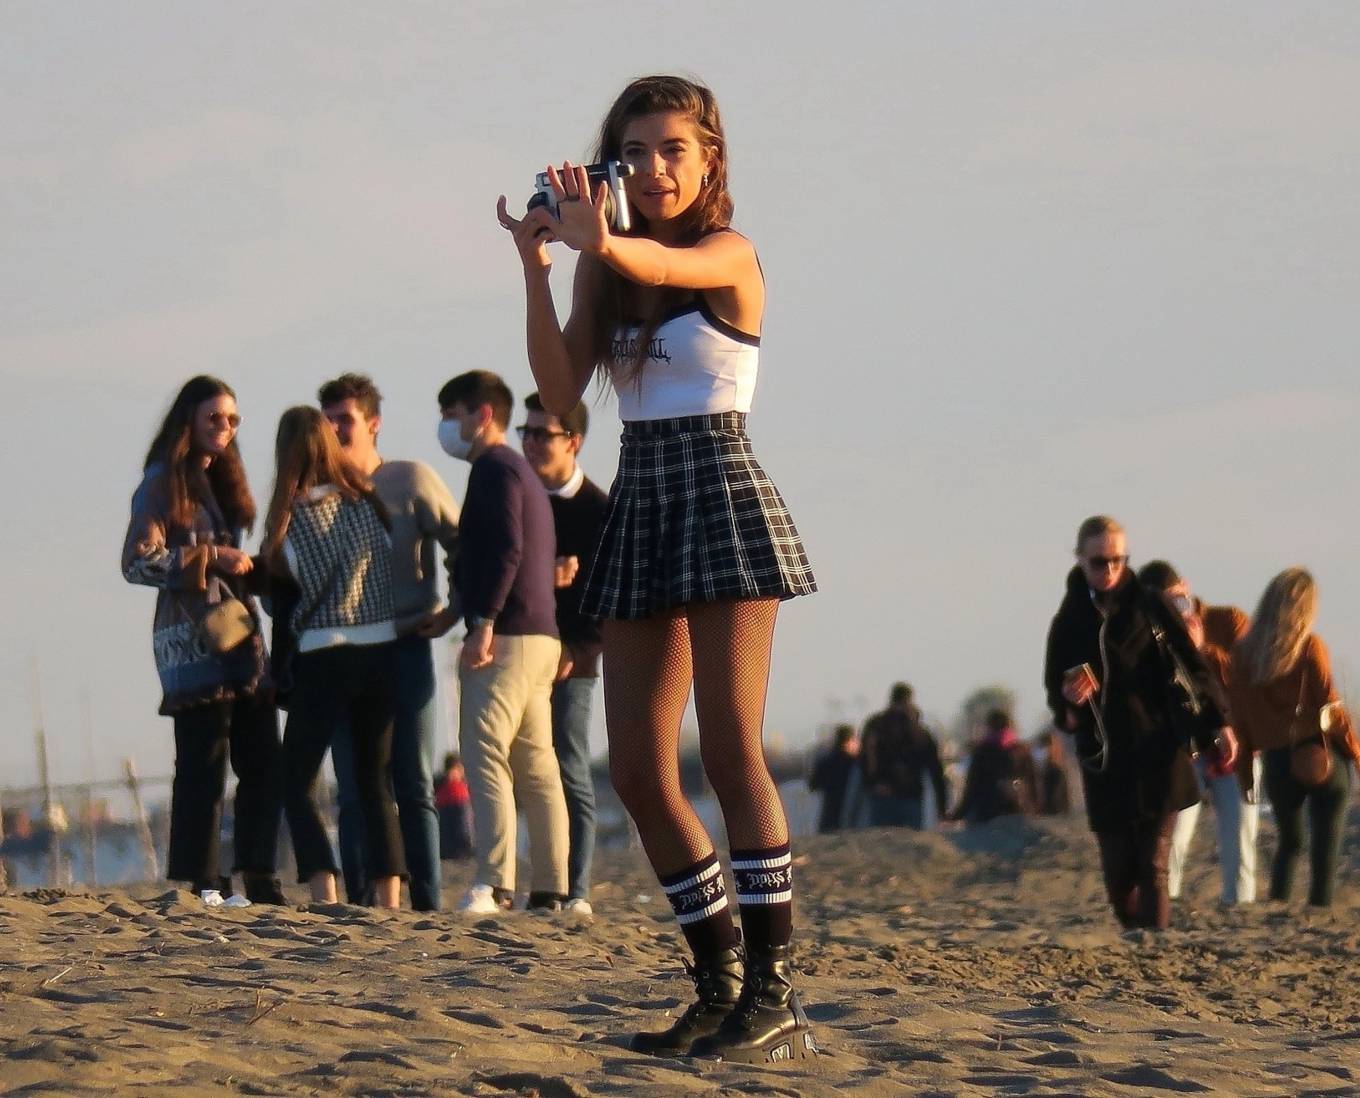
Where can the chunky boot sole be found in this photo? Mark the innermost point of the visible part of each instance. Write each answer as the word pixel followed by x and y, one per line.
pixel 787 1048
pixel 666 1043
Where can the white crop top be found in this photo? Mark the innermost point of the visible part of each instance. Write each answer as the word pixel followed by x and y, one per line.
pixel 696 364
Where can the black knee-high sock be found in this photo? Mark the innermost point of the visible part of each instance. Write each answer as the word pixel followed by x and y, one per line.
pixel 698 895
pixel 765 893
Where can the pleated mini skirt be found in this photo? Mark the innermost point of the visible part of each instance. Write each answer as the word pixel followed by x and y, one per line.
pixel 692 518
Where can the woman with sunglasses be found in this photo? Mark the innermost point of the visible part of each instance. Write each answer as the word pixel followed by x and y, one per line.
pixel 1282 695
pixel 189 516
pixel 1122 674
pixel 697 548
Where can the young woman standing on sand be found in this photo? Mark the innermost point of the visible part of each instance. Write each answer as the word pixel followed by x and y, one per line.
pixel 697 549
pixel 1281 685
pixel 189 516
pixel 1113 651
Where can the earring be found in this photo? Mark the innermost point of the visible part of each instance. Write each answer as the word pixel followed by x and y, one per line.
pixel 705 179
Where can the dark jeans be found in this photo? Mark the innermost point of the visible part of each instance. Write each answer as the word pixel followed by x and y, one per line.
pixel 571 700
pixel 247 730
pixel 414 741
pixel 896 812
pixel 344 686
pixel 1326 818
pixel 1134 860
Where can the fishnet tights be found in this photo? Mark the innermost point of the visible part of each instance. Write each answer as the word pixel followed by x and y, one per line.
pixel 723 650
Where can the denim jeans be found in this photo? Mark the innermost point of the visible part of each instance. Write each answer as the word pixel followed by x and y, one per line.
pixel 571 700
pixel 1237 825
pixel 413 763
pixel 896 812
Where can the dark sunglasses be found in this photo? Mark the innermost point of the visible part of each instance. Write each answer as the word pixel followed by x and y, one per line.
pixel 216 418
pixel 542 435
pixel 1103 564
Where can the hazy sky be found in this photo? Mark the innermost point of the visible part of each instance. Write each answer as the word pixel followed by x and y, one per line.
pixel 1026 262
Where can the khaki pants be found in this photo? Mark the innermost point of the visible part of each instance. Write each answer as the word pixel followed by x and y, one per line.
pixel 505 732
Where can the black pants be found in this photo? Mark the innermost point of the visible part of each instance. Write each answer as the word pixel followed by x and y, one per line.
pixel 349 686
pixel 1134 859
pixel 247 731
pixel 1326 817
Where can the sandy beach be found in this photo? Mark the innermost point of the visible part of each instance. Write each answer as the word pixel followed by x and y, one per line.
pixel 978 962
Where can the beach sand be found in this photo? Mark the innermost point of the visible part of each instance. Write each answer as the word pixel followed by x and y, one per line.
pixel 979 962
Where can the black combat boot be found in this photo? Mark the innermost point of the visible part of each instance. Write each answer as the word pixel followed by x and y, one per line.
pixel 717 980
pixel 767 1026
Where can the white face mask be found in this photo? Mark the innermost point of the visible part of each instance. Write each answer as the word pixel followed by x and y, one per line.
pixel 452 440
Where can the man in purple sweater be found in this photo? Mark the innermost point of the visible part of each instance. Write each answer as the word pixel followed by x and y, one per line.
pixel 504 577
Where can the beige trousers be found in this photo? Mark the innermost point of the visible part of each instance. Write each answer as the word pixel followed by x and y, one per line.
pixel 505 732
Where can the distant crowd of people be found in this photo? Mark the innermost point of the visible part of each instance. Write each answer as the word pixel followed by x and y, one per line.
pixel 891 774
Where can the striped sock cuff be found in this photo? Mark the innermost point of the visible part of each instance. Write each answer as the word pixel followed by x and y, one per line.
pixel 763 876
pixel 698 892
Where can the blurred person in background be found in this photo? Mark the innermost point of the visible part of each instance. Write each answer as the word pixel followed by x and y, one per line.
pixel 898 756
pixel 831 778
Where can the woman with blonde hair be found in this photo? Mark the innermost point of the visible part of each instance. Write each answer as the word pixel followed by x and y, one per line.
pixel 326 534
pixel 1283 699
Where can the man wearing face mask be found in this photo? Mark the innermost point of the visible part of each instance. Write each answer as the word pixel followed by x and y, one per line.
pixel 505 582
pixel 424 519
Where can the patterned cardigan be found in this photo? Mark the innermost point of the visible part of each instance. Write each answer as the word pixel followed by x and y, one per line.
pixel 174 559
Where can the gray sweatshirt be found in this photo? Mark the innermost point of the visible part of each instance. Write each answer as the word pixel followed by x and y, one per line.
pixel 423 513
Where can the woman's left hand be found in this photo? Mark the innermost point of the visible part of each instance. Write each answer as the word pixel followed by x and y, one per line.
pixel 583 220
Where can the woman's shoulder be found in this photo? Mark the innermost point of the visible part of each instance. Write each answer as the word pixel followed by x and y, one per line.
pixel 153 490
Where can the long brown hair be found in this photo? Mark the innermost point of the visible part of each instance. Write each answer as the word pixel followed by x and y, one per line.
pixel 1280 627
pixel 185 481
pixel 306 455
pixel 618 301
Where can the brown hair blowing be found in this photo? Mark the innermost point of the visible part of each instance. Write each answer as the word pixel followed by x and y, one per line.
pixel 618 301
pixel 173 446
pixel 1284 618
pixel 307 455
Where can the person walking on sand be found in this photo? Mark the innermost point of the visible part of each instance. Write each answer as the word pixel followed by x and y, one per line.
pixel 424 519
pixel 899 755
pixel 551 445
pixel 189 517
pixel 831 778
pixel 1232 791
pixel 1121 673
pixel 511 654
pixel 327 539
pixel 1000 779
pixel 1286 704
pixel 698 548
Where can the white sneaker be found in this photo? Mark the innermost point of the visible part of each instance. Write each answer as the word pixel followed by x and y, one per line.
pixel 578 908
pixel 480 900
pixel 211 897
pixel 236 901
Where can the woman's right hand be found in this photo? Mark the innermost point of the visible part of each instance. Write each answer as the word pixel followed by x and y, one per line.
pixel 532 234
pixel 231 562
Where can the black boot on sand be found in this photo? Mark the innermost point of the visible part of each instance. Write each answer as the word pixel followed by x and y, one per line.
pixel 767 1026
pixel 263 888
pixel 717 979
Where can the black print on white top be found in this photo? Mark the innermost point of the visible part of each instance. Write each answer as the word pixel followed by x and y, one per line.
pixel 625 349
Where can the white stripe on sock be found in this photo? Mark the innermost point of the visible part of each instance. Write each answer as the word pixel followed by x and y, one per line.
pixel 698 879
pixel 764 863
pixel 704 912
pixel 765 898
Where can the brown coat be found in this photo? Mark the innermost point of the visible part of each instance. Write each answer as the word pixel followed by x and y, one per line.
pixel 1223 625
pixel 1264 715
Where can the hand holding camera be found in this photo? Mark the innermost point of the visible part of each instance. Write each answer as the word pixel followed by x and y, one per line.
pixel 578 205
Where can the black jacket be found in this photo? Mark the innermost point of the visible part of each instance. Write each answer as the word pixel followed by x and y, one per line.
pixel 896 751
pixel 1149 770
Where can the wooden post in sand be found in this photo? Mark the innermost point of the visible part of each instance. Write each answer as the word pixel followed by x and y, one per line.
pixel 139 818
pixel 52 815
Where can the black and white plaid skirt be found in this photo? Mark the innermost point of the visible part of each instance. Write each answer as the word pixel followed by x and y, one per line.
pixel 692 518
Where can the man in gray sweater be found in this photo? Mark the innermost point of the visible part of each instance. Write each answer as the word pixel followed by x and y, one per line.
pixel 424 517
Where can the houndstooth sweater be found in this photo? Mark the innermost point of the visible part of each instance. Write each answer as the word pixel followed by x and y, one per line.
pixel 340 553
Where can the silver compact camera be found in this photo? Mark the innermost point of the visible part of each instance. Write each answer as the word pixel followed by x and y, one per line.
pixel 612 172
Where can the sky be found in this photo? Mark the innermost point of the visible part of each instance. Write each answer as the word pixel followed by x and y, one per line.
pixel 1025 263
